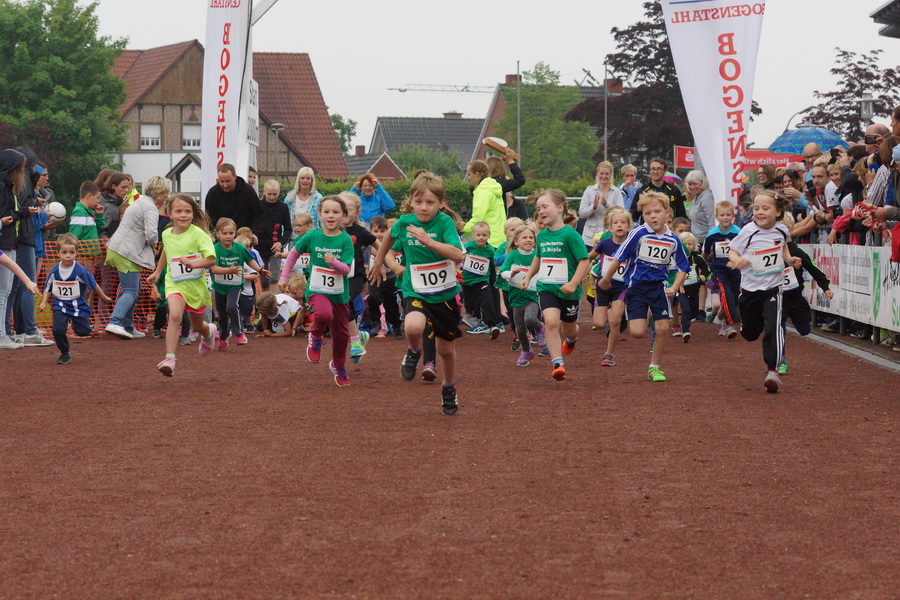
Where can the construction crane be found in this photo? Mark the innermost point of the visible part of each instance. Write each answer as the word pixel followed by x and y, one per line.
pixel 419 87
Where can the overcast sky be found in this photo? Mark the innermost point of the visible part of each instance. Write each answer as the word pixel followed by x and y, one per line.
pixel 359 49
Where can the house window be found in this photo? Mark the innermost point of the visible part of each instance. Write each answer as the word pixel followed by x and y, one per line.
pixel 190 135
pixel 151 137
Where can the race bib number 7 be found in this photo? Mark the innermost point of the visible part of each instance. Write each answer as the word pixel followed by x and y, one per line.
pixel 181 272
pixel 554 270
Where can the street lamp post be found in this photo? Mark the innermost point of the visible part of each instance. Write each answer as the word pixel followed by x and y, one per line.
pixel 807 109
pixel 277 127
pixel 605 105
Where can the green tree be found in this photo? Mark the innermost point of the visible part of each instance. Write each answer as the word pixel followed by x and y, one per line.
pixel 345 130
pixel 649 118
pixel 413 157
pixel 59 95
pixel 552 147
pixel 857 74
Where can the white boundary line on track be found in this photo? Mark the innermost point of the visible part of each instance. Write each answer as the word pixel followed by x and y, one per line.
pixel 868 356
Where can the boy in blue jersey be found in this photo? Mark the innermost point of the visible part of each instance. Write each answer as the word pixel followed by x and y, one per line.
pixel 648 249
pixel 716 247
pixel 69 282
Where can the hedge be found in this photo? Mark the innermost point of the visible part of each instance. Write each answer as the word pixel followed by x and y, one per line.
pixel 459 194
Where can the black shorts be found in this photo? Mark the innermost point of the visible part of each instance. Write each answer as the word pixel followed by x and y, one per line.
pixel 246 304
pixel 605 298
pixel 442 316
pixel 568 309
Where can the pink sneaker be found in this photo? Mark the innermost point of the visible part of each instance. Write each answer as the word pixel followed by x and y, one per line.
pixel 222 345
pixel 167 366
pixel 241 339
pixel 206 345
pixel 340 375
pixel 314 349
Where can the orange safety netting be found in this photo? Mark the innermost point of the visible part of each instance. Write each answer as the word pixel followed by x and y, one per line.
pixel 91 254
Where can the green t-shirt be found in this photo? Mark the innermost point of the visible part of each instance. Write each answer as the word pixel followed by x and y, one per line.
pixel 517 262
pixel 429 276
pixel 235 256
pixel 478 268
pixel 189 283
pixel 560 252
pixel 322 279
pixel 501 284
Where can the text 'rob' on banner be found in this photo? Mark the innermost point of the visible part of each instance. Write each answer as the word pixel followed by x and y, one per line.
pixel 715 44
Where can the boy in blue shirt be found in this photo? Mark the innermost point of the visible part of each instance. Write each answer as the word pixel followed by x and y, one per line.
pixel 716 247
pixel 69 282
pixel 648 250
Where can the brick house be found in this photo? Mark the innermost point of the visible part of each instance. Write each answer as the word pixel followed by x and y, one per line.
pixel 162 112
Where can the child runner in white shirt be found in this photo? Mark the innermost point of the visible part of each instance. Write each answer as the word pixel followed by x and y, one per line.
pixel 761 252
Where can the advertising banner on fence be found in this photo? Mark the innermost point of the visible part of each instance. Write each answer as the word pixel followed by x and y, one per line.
pixel 714 44
pixel 225 59
pixel 754 158
pixel 866 284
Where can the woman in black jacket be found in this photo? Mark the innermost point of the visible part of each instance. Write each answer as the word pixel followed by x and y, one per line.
pixel 12 181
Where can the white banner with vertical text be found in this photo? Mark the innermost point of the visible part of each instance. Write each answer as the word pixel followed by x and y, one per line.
pixel 227 40
pixel 714 44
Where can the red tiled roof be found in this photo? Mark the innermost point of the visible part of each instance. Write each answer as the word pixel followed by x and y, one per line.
pixel 289 93
pixel 142 69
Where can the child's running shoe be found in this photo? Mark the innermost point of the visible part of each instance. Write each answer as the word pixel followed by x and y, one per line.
pixel 701 316
pixel 358 349
pixel 241 340
pixel 655 374
pixel 429 373
pixel 502 327
pixel 222 345
pixel 157 334
pixel 185 341
pixel 676 330
pixel 772 382
pixel 783 369
pixel 207 344
pixel 723 329
pixel 409 364
pixel 686 336
pixel 64 359
pixel 540 338
pixel 478 329
pixel 449 400
pixel 544 353
pixel 608 361
pixel 167 366
pixel 515 345
pixel 559 372
pixel 314 348
pixel 398 333
pixel 495 332
pixel 525 358
pixel 471 321
pixel 730 332
pixel 568 347
pixel 340 375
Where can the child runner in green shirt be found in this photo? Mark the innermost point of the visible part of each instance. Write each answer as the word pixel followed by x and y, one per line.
pixel 228 280
pixel 477 295
pixel 431 249
pixel 526 313
pixel 560 264
pixel 330 252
